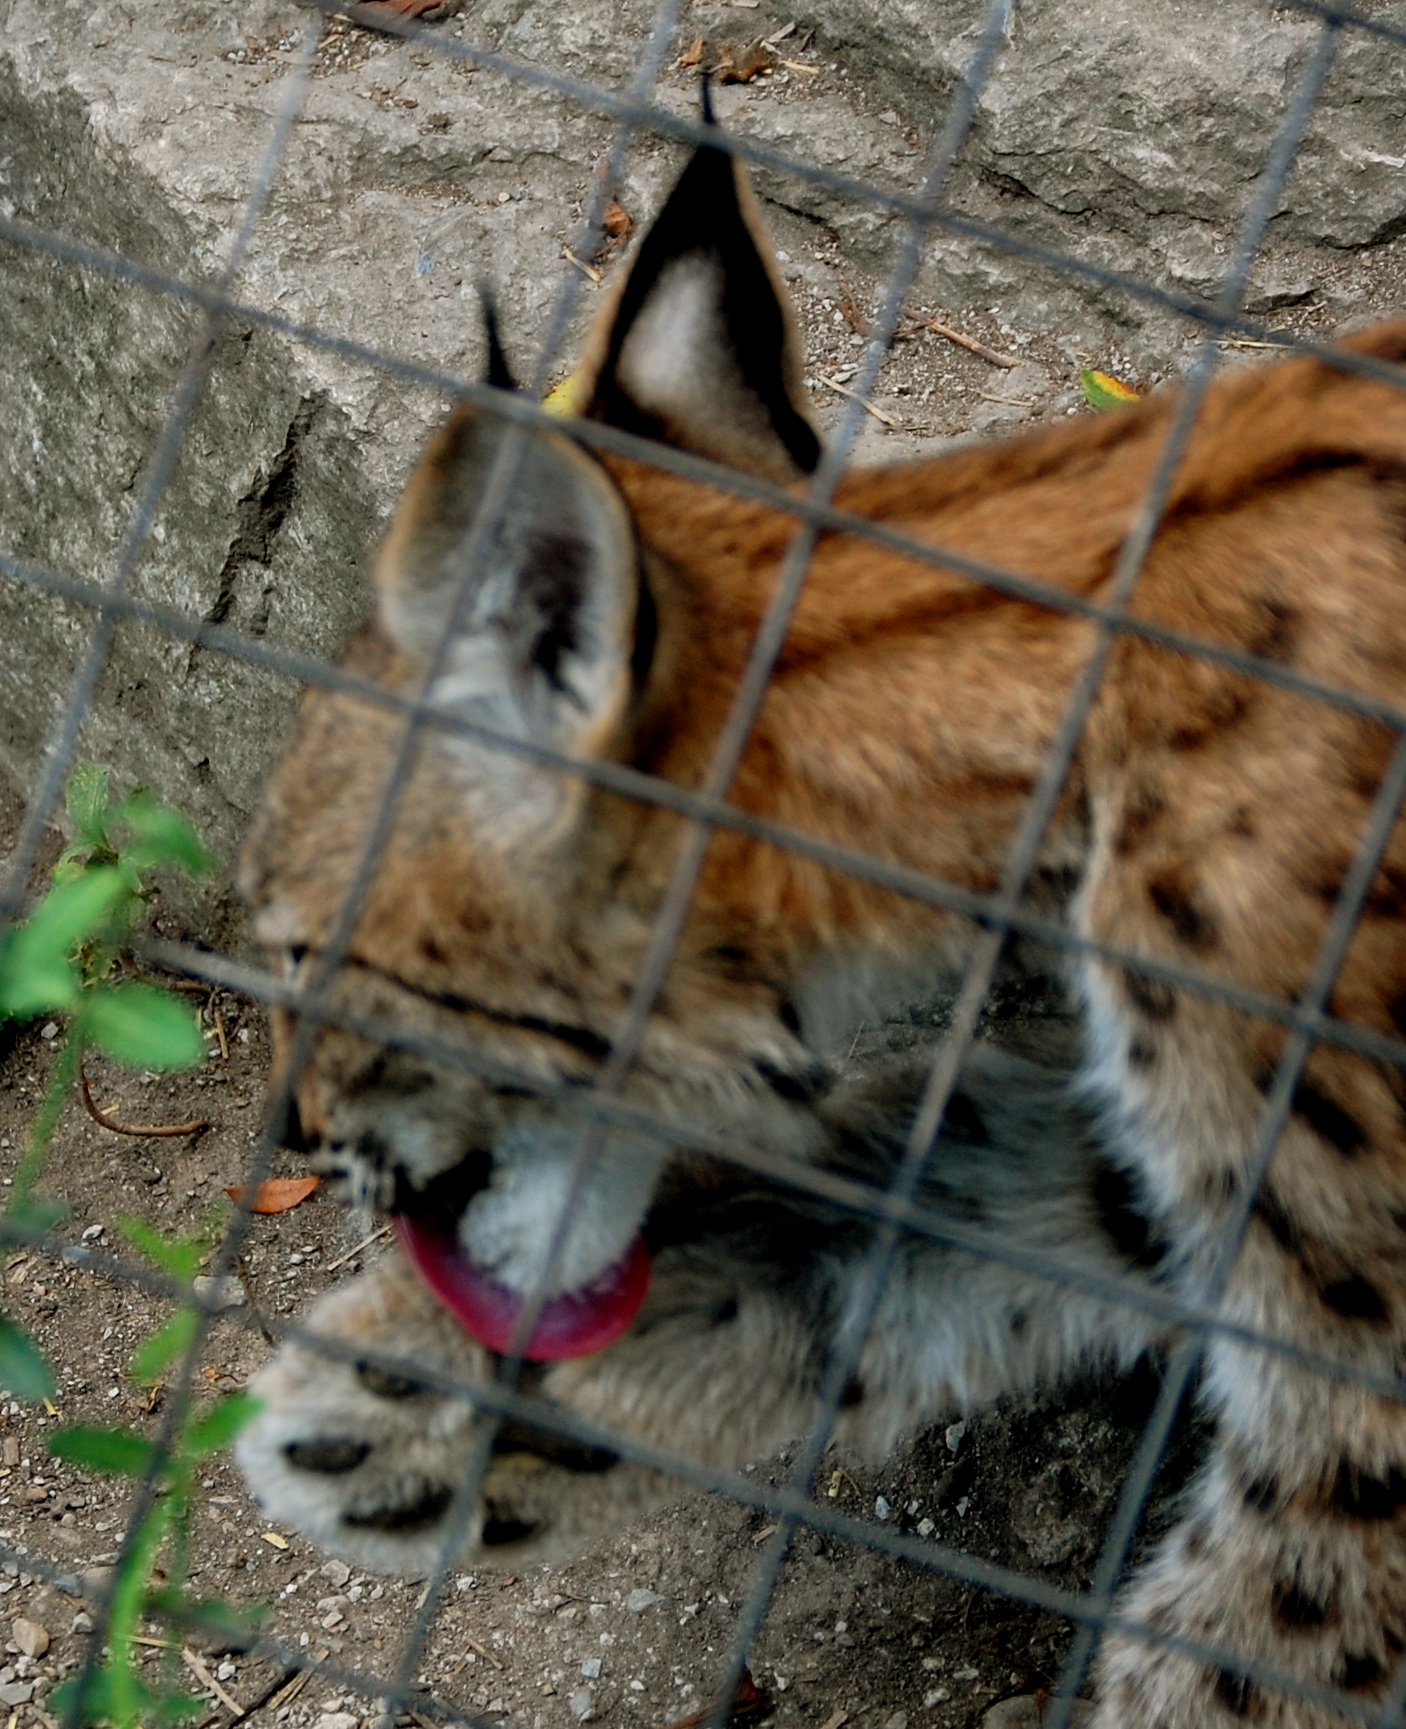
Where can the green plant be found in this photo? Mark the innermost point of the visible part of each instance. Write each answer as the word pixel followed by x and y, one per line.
pixel 117 1693
pixel 65 961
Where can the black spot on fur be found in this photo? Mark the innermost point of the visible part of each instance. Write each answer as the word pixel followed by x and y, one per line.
pixel 1144 808
pixel 1175 896
pixel 725 1313
pixel 1130 1230
pixel 385 1385
pixel 1141 1054
pixel 1227 707
pixel 1355 1298
pixel 1020 1324
pixel 428 1508
pixel 796 1086
pixel 853 1394
pixel 1197 1541
pixel 1329 1120
pixel 1368 1498
pixel 327 1458
pixel 1239 1696
pixel 1358 1673
pixel 789 1016
pixel 1151 997
pixel 1270 1212
pixel 498 1531
pixel 1262 1494
pixel 963 1118
pixel 559 1450
pixel 1276 640
pixel 1295 1610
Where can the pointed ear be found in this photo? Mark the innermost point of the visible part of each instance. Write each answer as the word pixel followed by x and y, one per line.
pixel 700 349
pixel 543 633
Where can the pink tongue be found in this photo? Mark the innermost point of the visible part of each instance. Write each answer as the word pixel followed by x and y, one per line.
pixel 572 1325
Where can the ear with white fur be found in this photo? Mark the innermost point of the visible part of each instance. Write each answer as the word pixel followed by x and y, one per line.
pixel 701 349
pixel 541 618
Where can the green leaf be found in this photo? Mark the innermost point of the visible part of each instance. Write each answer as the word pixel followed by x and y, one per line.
pixel 32 983
pixel 87 802
pixel 161 836
pixel 35 972
pixel 116 1694
pixel 178 1256
pixel 219 1426
pixel 22 1366
pixel 119 1451
pixel 1103 391
pixel 164 1346
pixel 214 1615
pixel 143 1027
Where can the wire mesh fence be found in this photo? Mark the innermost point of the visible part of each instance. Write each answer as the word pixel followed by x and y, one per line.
pixel 896 1211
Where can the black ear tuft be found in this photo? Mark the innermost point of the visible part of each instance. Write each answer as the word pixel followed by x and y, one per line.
pixel 705 98
pixel 500 374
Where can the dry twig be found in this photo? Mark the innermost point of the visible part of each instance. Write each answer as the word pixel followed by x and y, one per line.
pixel 854 396
pixel 970 343
pixel 351 1254
pixel 209 1683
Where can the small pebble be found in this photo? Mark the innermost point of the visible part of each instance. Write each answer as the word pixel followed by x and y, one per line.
pixel 638 1601
pixel 30 1636
pixel 225 1292
pixel 49 1031
pixel 82 1622
pixel 590 1668
pixel 338 1720
pixel 337 1572
pixel 881 1508
pixel 582 1705
pixel 956 1433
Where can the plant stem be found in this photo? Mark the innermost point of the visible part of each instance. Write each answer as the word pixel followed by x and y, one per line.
pixel 46 1118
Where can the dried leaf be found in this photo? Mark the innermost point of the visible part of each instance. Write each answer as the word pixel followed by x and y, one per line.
pixel 749 1704
pixel 276 1195
pixel 618 223
pixel 274 1539
pixel 695 53
pixel 741 66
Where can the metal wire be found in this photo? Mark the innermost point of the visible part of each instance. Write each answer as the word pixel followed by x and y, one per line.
pixel 894 1211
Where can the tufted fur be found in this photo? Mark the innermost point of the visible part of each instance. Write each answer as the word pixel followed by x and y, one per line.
pixel 1209 820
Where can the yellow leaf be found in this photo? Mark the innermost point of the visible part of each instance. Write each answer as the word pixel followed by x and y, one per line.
pixel 1103 391
pixel 566 398
pixel 274 1538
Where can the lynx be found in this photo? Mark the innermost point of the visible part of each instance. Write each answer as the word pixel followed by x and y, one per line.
pixel 1209 821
